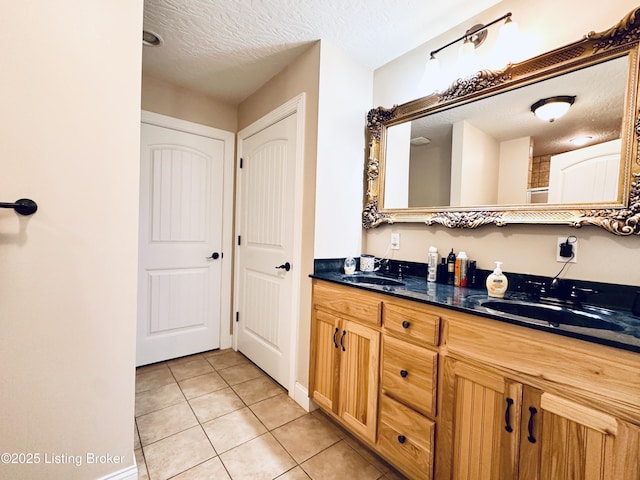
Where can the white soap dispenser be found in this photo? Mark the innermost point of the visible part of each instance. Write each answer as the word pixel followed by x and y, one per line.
pixel 497 282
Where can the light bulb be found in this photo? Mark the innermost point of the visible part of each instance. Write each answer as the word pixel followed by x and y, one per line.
pixel 432 76
pixel 467 60
pixel 507 45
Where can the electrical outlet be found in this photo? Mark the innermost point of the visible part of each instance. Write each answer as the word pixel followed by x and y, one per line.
pixel 395 241
pixel 574 244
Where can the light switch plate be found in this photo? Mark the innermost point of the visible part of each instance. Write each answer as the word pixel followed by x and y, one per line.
pixel 395 241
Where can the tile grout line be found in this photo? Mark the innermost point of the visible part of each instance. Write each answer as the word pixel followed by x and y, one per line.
pixel 200 424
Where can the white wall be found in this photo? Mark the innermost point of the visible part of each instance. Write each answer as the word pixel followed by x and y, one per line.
pixel 396 185
pixel 344 100
pixel 70 101
pixel 429 175
pixel 474 166
pixel 515 158
pixel 545 24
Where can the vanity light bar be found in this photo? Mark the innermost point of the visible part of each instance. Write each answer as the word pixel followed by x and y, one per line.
pixel 471 32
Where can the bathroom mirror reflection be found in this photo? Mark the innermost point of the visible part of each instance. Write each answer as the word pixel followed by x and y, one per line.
pixel 495 151
pixel 476 154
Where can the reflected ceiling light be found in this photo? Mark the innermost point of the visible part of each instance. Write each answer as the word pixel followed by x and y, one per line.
pixel 581 141
pixel 552 108
pixel 150 39
pixel 420 141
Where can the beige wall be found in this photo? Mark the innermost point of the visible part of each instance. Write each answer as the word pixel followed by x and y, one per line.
pixel 168 99
pixel 301 76
pixel 525 249
pixel 70 140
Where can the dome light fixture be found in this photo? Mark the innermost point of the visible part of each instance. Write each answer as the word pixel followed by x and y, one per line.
pixel 552 108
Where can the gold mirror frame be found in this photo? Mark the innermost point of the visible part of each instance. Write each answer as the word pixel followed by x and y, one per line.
pixel 623 219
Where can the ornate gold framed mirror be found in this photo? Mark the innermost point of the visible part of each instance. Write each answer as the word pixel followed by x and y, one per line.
pixel 475 154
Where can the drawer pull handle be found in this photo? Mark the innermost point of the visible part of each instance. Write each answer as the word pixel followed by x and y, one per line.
pixel 404 373
pixel 335 342
pixel 344 332
pixel 406 324
pixel 402 438
pixel 507 415
pixel 532 412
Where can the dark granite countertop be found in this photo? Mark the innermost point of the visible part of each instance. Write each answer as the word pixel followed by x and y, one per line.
pixel 624 331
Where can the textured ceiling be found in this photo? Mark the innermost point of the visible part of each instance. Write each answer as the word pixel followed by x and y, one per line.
pixel 229 48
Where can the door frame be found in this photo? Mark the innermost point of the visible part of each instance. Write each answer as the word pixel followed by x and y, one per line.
pixel 295 105
pixel 228 139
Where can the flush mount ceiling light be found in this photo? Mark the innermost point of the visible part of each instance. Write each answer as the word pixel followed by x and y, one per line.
pixel 150 39
pixel 552 108
pixel 420 141
pixel 581 141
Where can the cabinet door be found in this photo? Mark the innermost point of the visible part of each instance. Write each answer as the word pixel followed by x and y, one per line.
pixel 563 440
pixel 325 355
pixel 359 363
pixel 481 410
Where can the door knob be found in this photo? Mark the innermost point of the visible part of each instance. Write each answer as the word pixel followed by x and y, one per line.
pixel 285 266
pixel 214 256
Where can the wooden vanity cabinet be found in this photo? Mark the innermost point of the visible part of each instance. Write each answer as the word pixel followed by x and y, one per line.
pixel 345 356
pixel 503 429
pixel 408 386
pixel 477 404
pixel 452 396
pixel 566 439
pixel 502 423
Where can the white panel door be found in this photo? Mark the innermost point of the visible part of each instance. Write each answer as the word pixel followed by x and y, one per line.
pixel 265 229
pixel 181 193
pixel 586 175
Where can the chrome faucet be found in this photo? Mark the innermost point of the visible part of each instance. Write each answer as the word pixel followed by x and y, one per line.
pixel 577 294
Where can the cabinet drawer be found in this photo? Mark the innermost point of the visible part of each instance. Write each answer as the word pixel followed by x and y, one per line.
pixel 412 322
pixel 348 302
pixel 406 438
pixel 409 374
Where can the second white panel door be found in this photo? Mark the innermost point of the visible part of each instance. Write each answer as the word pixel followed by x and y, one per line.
pixel 265 253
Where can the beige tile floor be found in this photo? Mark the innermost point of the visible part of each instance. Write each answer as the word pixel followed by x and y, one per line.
pixel 217 416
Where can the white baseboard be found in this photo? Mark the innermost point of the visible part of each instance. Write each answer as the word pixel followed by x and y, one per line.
pixel 129 473
pixel 301 396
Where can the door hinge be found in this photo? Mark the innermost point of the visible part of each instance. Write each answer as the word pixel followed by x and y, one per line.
pixel 239 240
pixel 237 317
pixel 241 160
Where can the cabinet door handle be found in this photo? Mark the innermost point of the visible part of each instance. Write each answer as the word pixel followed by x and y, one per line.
pixel 406 324
pixel 404 373
pixel 335 342
pixel 344 332
pixel 532 412
pixel 402 438
pixel 507 415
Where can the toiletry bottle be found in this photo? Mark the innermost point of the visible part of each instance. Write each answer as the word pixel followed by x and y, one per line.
pixel 451 267
pixel 460 274
pixel 472 281
pixel 432 264
pixel 442 271
pixel 497 282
